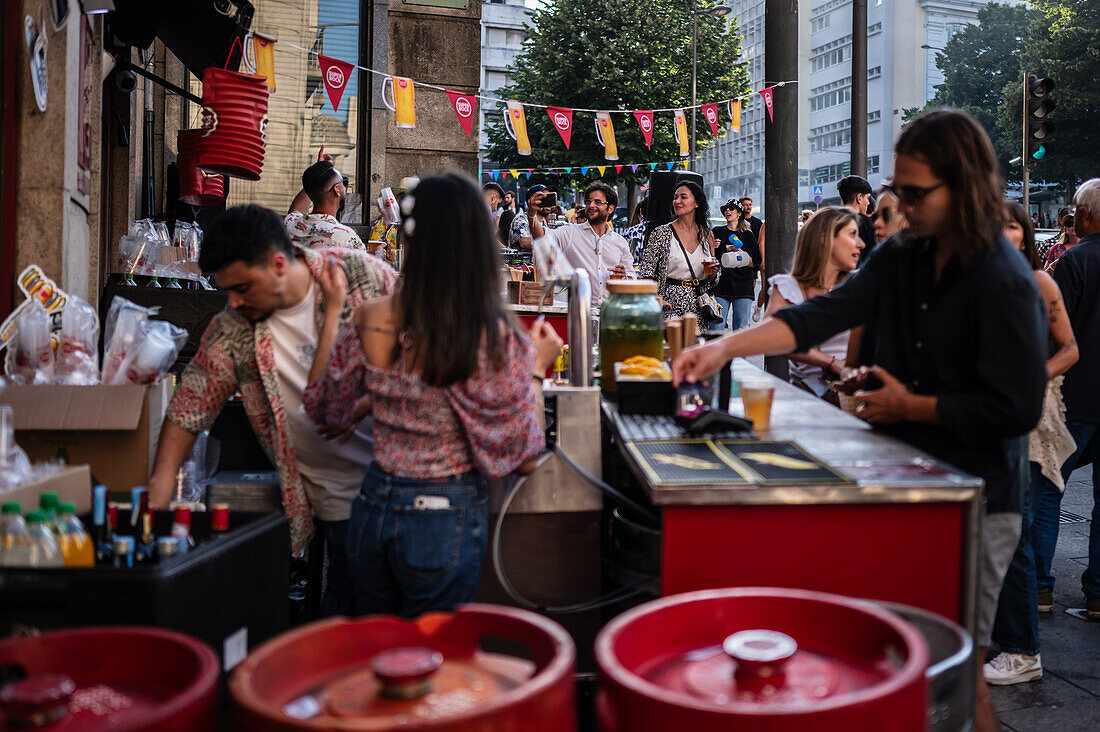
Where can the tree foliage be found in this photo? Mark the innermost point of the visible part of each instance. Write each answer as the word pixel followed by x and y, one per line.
pixel 1062 43
pixel 983 68
pixel 616 54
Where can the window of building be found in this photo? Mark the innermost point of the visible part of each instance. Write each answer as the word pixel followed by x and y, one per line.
pixel 515 40
pixel 874 116
pixel 831 58
pixel 874 28
pixel 819 24
pixel 874 72
pixel 872 165
pixel 495 80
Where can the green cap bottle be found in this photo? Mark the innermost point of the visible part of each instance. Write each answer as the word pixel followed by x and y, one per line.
pixel 10 508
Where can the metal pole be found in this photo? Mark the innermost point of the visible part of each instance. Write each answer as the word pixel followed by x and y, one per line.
pixel 781 144
pixel 858 147
pixel 694 37
pixel 148 204
pixel 1024 156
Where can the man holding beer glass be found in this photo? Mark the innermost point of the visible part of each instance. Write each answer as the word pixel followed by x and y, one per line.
pixel 591 246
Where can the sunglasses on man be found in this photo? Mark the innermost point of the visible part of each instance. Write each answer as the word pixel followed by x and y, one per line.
pixel 910 195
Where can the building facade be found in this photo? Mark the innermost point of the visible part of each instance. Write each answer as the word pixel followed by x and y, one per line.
pixel 903 39
pixel 503 31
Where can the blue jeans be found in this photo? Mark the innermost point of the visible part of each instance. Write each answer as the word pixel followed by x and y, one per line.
pixel 1044 533
pixel 736 313
pixel 1016 628
pixel 338 598
pixel 407 560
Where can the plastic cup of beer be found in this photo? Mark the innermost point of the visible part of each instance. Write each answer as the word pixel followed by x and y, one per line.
pixel 757 396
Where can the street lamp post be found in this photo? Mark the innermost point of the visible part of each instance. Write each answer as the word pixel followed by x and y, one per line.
pixel 718 11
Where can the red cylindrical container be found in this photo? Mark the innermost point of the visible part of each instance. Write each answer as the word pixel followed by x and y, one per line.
pixel 125 679
pixel 381 673
pixel 234 124
pixel 761 659
pixel 196 187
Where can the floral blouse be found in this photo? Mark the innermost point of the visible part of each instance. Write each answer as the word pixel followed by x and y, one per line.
pixel 486 423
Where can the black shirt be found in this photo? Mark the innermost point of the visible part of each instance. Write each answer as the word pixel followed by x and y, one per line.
pixel 504 225
pixel 755 224
pixel 867 234
pixel 736 282
pixel 1078 276
pixel 976 339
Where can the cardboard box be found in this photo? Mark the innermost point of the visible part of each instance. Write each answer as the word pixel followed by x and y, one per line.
pixel 114 429
pixel 529 293
pixel 72 484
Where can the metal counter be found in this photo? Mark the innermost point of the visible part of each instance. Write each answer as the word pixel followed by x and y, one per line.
pixel 911 540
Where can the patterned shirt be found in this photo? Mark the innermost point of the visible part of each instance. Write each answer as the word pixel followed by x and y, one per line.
pixel 521 229
pixel 635 239
pixel 316 231
pixel 237 355
pixel 1054 253
pixel 486 423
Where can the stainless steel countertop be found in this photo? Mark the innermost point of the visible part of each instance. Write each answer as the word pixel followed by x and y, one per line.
pixel 832 436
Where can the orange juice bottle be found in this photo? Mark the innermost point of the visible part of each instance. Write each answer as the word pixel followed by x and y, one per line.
pixel 76 543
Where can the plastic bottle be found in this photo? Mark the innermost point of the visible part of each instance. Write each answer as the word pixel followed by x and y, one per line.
pixel 14 537
pixel 128 281
pixel 76 543
pixel 154 282
pixel 44 551
pixel 50 506
pixel 173 284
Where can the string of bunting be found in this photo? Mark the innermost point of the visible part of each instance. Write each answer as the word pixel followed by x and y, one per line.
pixel 335 75
pixel 581 170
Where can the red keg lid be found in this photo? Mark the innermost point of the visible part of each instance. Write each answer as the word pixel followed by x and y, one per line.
pixel 39 698
pixel 406 665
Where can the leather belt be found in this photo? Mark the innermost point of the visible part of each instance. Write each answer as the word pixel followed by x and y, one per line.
pixel 686 284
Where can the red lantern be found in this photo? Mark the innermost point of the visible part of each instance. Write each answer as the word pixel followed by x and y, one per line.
pixel 234 124
pixel 196 187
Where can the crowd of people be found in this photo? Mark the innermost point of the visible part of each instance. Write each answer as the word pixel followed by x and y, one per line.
pixel 387 409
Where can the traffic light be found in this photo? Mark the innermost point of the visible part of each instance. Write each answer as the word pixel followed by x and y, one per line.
pixel 1037 109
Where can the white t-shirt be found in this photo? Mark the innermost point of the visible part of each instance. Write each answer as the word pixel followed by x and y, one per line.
pixel 677 265
pixel 596 255
pixel 331 472
pixel 836 347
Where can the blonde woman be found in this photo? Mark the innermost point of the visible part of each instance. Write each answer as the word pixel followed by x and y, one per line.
pixel 827 249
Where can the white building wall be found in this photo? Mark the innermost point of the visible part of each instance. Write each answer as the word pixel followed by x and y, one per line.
pixel 903 40
pixel 503 30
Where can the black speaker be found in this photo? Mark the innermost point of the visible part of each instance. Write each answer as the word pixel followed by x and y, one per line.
pixel 659 198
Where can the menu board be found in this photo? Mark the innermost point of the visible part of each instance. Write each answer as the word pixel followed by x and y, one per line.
pixel 734 463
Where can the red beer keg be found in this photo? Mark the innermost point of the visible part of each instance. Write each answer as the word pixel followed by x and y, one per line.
pixel 111 679
pixel 381 673
pixel 760 659
pixel 234 124
pixel 196 187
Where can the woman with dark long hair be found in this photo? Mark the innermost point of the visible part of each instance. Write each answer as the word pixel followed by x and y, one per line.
pixel 739 254
pixel 451 382
pixel 680 255
pixel 1050 444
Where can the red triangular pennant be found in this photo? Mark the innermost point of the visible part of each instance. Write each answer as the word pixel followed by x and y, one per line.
pixel 645 121
pixel 465 107
pixel 562 119
pixel 767 95
pixel 710 111
pixel 335 74
pixel 618 168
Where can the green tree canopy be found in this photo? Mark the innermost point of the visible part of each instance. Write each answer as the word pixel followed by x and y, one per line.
pixel 616 54
pixel 977 64
pixel 1062 43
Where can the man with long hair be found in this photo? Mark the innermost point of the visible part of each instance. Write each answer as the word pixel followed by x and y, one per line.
pixel 954 335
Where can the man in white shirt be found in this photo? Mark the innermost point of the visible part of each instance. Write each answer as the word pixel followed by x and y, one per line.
pixel 326 189
pixel 592 246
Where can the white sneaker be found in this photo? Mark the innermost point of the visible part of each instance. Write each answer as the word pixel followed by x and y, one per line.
pixel 1012 668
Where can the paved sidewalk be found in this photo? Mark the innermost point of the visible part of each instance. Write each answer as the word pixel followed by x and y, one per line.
pixel 1067 698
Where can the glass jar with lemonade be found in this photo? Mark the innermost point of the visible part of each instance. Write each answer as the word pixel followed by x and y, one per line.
pixel 631 324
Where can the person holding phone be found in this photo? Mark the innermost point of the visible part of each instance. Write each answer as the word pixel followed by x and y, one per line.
pixel 680 255
pixel 954 331
pixel 592 245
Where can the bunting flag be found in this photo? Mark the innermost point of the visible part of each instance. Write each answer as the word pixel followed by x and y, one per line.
pixel 671 165
pixel 263 55
pixel 710 111
pixel 735 115
pixel 335 74
pixel 504 176
pixel 634 168
pixel 528 174
pixel 562 119
pixel 514 172
pixel 605 133
pixel 584 170
pixel 619 168
pixel 653 166
pixel 464 105
pixel 601 168
pixel 767 95
pixel 681 130
pixel 645 121
pixel 568 170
